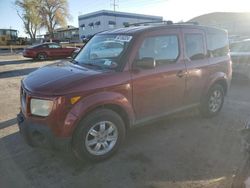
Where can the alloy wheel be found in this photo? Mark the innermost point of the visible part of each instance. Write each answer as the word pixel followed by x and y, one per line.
pixel 101 138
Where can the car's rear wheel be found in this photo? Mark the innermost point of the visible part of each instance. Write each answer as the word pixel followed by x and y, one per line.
pixel 99 135
pixel 42 56
pixel 213 101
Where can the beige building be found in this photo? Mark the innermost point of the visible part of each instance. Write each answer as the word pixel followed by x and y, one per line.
pixel 65 34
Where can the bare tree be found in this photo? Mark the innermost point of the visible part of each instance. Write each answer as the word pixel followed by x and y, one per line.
pixel 54 13
pixel 27 11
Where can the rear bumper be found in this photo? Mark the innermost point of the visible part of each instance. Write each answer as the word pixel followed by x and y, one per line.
pixel 38 135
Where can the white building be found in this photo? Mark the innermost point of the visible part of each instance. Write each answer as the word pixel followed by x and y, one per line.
pixel 92 23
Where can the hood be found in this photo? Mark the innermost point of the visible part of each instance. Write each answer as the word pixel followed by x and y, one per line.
pixel 58 78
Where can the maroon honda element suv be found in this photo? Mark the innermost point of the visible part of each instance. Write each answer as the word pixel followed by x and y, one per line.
pixel 122 78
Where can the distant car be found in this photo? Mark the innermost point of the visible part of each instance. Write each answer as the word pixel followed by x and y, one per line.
pixel 106 49
pixel 48 50
pixel 240 51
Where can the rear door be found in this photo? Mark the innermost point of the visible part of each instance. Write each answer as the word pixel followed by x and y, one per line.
pixel 159 90
pixel 197 64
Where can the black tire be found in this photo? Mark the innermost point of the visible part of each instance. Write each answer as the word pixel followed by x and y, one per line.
pixel 208 108
pixel 42 56
pixel 83 132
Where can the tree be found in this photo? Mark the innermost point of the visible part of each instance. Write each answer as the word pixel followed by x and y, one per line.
pixel 54 13
pixel 27 11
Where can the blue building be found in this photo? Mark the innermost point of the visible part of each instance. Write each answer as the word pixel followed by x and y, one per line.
pixel 92 23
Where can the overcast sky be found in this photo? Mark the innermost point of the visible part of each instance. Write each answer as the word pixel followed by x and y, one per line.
pixel 175 10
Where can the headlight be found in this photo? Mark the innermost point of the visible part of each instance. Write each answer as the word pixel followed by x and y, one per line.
pixel 40 107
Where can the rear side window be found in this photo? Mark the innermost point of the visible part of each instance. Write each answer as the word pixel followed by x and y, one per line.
pixel 40 46
pixel 54 46
pixel 164 49
pixel 194 46
pixel 217 44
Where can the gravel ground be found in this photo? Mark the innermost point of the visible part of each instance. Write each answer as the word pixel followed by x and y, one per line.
pixel 181 151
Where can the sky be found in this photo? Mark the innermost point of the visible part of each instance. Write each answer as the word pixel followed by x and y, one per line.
pixel 175 10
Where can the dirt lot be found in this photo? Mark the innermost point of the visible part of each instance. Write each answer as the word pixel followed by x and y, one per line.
pixel 181 151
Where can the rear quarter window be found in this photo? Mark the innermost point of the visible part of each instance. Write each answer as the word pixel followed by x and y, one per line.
pixel 217 44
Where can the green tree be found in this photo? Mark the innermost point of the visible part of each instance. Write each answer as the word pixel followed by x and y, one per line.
pixel 54 13
pixel 27 11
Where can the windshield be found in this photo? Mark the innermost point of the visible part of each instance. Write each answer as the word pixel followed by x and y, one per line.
pixel 103 51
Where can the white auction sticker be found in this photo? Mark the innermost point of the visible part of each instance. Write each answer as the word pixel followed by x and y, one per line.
pixel 123 38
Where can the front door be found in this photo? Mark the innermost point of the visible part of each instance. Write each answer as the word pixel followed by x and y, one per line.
pixel 160 90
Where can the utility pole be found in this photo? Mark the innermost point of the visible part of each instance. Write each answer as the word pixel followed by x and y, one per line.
pixel 114 5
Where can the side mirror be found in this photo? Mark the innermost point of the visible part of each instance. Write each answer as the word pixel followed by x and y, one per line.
pixel 145 63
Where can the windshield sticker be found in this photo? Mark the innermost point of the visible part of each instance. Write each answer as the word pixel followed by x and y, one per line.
pixel 108 63
pixel 123 38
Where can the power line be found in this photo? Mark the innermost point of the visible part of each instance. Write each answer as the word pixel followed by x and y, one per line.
pixel 143 3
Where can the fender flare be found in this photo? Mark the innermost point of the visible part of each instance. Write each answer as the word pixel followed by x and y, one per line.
pixel 215 78
pixel 96 100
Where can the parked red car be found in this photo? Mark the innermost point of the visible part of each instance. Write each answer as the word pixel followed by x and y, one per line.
pixel 48 50
pixel 89 104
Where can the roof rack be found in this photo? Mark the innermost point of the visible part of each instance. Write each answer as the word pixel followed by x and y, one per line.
pixel 167 22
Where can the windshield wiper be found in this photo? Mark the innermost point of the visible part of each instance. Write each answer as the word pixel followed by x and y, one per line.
pixel 93 65
pixel 74 61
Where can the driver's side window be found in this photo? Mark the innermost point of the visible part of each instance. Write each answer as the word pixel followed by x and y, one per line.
pixel 163 49
pixel 54 46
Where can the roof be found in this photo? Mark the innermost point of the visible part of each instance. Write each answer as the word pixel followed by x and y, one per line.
pixel 118 14
pixel 69 27
pixel 138 29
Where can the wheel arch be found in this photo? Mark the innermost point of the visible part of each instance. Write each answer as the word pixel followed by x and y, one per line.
pixel 103 100
pixel 217 78
pixel 114 107
pixel 223 83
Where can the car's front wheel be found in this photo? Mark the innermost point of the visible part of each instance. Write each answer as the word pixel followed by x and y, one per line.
pixel 213 101
pixel 99 135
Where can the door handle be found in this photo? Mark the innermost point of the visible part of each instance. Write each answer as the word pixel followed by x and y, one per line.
pixel 181 73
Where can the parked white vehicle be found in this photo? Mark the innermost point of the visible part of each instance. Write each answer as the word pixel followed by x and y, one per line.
pixel 106 49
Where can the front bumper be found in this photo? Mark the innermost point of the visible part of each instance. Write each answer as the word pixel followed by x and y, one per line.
pixel 38 135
